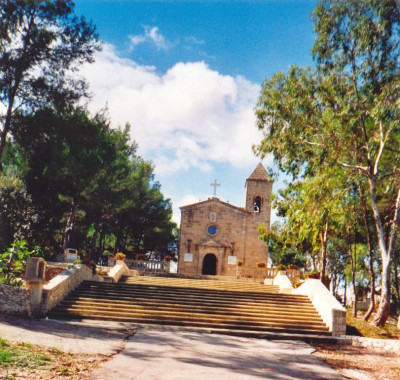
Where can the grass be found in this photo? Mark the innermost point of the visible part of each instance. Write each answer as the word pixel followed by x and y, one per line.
pixel 357 326
pixel 28 361
pixel 21 355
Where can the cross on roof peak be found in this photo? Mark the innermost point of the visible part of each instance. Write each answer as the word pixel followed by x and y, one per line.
pixel 215 184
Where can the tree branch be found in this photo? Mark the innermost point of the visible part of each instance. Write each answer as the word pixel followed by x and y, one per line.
pixel 357 167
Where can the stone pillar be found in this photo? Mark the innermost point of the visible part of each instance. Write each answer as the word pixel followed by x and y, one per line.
pixel 34 280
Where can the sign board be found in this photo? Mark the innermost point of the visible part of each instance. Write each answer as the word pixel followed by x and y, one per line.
pixel 213 217
pixel 232 260
pixel 188 257
pixel 71 255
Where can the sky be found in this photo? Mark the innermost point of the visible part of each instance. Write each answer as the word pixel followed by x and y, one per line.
pixel 186 76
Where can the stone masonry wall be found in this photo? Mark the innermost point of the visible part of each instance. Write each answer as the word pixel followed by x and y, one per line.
pixel 255 249
pixel 15 301
pixel 231 224
pixel 58 288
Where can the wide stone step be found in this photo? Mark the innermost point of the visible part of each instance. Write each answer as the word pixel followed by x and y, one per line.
pixel 286 308
pixel 208 325
pixel 188 315
pixel 223 294
pixel 197 297
pixel 205 284
pixel 257 313
pixel 207 306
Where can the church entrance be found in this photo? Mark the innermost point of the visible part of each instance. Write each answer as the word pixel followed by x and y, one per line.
pixel 209 264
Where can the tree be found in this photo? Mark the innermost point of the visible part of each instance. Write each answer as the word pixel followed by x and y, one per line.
pixel 345 113
pixel 40 42
pixel 17 215
pixel 59 169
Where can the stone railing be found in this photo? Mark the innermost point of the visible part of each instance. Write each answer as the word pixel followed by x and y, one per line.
pixel 144 267
pixel 260 274
pixel 59 287
pixel 119 270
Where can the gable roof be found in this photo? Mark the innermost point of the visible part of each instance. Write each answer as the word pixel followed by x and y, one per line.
pixel 259 174
pixel 215 200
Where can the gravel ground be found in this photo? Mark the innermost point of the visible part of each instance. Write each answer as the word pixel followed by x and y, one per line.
pixel 360 363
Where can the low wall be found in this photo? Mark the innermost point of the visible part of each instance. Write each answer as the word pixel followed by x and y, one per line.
pixel 260 274
pixel 59 287
pixel 15 301
pixel 388 345
pixel 331 311
pixel 283 281
pixel 118 270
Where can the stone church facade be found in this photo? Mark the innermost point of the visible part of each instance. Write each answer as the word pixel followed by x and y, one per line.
pixel 215 235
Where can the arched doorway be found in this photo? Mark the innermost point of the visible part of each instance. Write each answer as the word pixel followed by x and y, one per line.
pixel 209 264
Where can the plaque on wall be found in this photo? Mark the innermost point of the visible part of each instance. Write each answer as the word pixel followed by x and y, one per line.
pixel 232 260
pixel 188 257
pixel 213 216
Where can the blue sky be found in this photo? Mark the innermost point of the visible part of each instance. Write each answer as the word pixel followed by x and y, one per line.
pixel 186 76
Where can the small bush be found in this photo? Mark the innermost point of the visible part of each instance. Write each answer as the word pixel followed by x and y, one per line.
pixel 120 256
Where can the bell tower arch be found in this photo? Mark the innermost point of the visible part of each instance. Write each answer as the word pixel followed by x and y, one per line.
pixel 258 205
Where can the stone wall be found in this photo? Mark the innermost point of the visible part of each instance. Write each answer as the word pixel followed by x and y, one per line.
pixel 59 287
pixel 15 301
pixel 331 311
pixel 118 270
pixel 230 222
pixel 388 345
pixel 53 271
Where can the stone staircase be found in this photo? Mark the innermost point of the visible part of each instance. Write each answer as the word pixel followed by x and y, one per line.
pixel 226 306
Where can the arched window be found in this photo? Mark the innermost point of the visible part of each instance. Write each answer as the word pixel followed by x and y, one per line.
pixel 257 204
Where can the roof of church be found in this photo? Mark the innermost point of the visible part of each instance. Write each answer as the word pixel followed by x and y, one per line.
pixel 215 199
pixel 259 174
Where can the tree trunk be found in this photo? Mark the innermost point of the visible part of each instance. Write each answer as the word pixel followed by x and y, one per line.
pixel 323 235
pixel 353 278
pixel 371 256
pixel 384 306
pixel 345 292
pixel 386 251
pixel 7 123
pixel 94 239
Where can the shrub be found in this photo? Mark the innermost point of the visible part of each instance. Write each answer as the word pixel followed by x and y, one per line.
pixel 280 267
pixel 120 256
pixel 13 263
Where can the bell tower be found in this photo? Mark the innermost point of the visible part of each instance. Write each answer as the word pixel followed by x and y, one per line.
pixel 258 204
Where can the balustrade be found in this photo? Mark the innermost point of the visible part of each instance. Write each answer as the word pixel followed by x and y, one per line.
pixel 260 274
pixel 144 267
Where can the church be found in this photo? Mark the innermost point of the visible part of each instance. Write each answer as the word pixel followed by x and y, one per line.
pixel 216 235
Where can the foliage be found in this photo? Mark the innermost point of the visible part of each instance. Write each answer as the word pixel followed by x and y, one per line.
pixel 17 214
pixel 96 182
pixel 13 263
pixel 345 113
pixel 280 267
pixel 89 263
pixel 40 43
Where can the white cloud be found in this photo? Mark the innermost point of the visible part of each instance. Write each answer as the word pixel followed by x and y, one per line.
pixel 191 116
pixel 150 35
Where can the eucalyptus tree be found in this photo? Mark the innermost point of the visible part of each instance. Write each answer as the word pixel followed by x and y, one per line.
pixel 346 112
pixel 41 43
